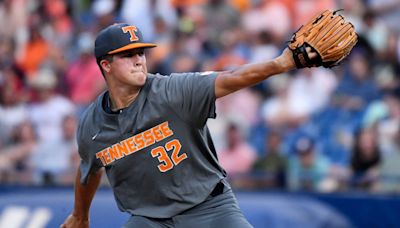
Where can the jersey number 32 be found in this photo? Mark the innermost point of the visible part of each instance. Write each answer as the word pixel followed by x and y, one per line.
pixel 168 161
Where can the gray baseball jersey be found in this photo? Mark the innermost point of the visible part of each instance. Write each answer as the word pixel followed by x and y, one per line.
pixel 157 152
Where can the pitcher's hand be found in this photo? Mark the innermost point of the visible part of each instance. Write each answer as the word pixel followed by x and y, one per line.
pixel 73 221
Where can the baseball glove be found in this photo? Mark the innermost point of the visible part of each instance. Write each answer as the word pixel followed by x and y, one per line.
pixel 327 34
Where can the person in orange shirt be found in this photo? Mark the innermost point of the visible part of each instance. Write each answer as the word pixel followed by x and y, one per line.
pixel 34 53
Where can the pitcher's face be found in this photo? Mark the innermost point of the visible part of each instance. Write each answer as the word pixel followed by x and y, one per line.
pixel 129 67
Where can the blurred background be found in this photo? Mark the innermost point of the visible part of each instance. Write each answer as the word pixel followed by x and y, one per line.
pixel 306 148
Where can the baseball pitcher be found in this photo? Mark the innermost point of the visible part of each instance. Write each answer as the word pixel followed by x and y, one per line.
pixel 148 132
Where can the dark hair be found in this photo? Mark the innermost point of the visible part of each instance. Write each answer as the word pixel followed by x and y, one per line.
pixel 109 58
pixel 358 162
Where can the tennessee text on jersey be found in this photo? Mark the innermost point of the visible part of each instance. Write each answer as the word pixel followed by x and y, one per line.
pixel 134 144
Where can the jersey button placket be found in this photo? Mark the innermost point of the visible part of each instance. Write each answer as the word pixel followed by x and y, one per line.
pixel 122 122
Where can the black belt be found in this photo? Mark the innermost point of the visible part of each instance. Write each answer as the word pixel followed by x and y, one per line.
pixel 218 190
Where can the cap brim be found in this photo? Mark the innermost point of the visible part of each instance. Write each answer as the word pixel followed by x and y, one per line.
pixel 132 46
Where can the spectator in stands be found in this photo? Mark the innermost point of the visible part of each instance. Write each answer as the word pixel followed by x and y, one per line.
pixel 7 50
pixel 297 98
pixel 230 55
pixel 376 32
pixel 83 77
pixel 279 111
pixel 270 169
pixel 262 16
pixel 238 156
pixel 47 113
pixel 34 53
pixel 105 12
pixel 311 89
pixel 387 127
pixel 387 11
pixel 164 39
pixel 389 172
pixel 59 21
pixel 379 110
pixel 69 149
pixel 222 16
pixel 49 108
pixel 357 87
pixel 384 114
pixel 14 158
pixel 263 46
pixel 13 110
pixel 54 161
pixel 307 169
pixel 366 157
pixel 13 19
pixel 303 9
pixel 142 14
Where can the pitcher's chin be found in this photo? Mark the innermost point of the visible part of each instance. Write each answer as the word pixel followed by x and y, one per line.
pixel 140 77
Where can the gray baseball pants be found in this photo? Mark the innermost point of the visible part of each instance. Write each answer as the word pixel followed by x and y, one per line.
pixel 218 211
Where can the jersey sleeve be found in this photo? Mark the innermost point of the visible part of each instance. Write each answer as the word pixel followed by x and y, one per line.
pixel 88 163
pixel 192 96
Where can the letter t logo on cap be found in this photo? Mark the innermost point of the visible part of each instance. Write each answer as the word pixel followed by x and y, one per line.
pixel 131 29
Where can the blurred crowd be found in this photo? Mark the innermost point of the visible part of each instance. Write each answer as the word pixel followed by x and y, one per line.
pixel 316 129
